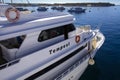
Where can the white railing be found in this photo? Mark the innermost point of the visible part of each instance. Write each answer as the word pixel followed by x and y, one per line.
pixel 9 64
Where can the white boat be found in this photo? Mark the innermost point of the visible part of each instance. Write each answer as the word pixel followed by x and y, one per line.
pixel 45 46
pixel 22 10
pixel 42 8
pixel 76 10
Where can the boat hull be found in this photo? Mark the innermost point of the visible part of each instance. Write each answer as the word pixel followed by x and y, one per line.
pixel 68 68
pixel 73 68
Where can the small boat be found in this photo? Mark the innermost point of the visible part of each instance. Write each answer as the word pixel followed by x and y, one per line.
pixel 45 46
pixel 22 10
pixel 59 8
pixel 42 9
pixel 54 8
pixel 76 10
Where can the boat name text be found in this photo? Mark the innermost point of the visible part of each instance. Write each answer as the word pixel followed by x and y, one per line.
pixel 59 48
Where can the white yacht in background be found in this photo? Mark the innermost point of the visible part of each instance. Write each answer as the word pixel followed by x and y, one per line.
pixel 44 46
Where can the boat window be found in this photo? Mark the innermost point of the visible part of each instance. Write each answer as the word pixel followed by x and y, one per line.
pixel 55 32
pixel 8 49
pixel 70 27
pixel 13 42
pixel 50 33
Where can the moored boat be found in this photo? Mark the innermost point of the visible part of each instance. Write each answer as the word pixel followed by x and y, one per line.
pixel 42 9
pixel 22 10
pixel 54 8
pixel 59 8
pixel 45 46
pixel 76 10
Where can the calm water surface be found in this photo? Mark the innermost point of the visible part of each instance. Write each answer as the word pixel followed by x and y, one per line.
pixel 107 59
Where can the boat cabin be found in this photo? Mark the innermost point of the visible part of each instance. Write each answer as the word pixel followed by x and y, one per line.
pixel 22 35
pixel 22 45
pixel 30 35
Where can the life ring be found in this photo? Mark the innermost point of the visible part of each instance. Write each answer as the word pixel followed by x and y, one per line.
pixel 77 39
pixel 7 14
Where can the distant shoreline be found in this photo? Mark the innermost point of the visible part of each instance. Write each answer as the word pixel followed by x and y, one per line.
pixel 65 4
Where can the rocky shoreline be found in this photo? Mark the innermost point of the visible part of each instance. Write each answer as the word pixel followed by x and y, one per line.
pixel 100 4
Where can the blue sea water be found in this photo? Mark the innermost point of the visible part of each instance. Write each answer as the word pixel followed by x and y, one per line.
pixel 107 59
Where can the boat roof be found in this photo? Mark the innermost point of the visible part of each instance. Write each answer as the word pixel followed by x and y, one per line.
pixel 33 22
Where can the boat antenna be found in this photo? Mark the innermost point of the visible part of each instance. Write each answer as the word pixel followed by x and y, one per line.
pixel 28 1
pixel 11 1
pixel 30 5
pixel 1 1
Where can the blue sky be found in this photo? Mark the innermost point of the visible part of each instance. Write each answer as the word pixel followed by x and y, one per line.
pixel 66 1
